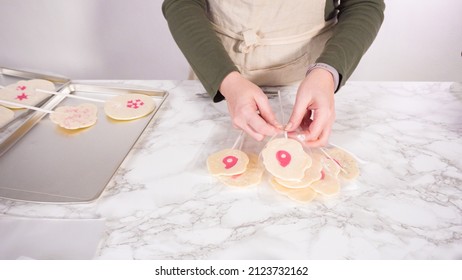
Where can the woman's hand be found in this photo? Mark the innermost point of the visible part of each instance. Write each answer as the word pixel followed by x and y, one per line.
pixel 314 110
pixel 249 107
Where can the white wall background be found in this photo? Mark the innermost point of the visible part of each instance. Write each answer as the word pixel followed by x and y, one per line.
pixel 129 39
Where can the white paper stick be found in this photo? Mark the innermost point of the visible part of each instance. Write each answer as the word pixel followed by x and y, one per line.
pixel 71 95
pixel 237 140
pixel 25 106
pixel 282 112
pixel 66 95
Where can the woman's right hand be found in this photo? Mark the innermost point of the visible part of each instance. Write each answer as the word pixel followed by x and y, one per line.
pixel 248 107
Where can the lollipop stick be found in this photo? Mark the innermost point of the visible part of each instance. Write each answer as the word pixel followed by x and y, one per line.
pixel 70 95
pixel 282 112
pixel 66 95
pixel 338 164
pixel 241 134
pixel 25 106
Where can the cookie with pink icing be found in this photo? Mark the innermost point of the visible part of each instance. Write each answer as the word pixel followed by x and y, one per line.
pixel 286 159
pixel 303 195
pixel 129 106
pixel 227 162
pixel 312 174
pixel 251 176
pixel 75 117
pixel 25 92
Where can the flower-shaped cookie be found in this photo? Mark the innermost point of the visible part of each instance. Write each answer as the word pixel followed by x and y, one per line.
pixel 75 117
pixel 286 159
pixel 251 176
pixel 227 162
pixel 312 174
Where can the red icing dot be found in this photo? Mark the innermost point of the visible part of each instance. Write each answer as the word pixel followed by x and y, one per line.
pixel 22 96
pixel 229 161
pixel 283 157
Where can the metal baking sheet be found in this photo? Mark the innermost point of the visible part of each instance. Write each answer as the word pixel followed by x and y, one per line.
pixel 54 165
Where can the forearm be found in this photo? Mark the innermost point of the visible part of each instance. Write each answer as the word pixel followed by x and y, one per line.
pixel 196 38
pixel 358 24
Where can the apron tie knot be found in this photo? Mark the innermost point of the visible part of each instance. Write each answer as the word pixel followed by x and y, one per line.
pixel 251 40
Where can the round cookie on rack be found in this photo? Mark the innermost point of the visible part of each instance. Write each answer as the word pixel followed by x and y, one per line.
pixel 75 117
pixel 251 176
pixel 6 115
pixel 227 162
pixel 24 92
pixel 129 106
pixel 285 159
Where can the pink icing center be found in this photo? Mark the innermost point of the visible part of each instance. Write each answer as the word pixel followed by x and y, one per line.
pixel 283 157
pixel 229 161
pixel 21 87
pixel 135 104
pixel 22 96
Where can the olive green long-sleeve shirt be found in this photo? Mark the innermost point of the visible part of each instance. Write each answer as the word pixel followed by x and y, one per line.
pixel 358 24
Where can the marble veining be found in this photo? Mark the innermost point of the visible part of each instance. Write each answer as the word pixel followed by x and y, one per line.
pixel 407 203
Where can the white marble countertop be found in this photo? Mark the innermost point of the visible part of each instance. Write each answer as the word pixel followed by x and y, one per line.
pixel 407 203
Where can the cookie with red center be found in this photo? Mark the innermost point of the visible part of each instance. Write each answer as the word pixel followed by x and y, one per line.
pixel 227 162
pixel 312 174
pixel 251 176
pixel 286 159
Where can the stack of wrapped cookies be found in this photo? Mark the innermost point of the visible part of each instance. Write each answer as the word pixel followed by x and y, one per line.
pixel 294 172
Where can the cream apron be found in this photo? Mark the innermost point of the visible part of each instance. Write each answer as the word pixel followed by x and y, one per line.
pixel 272 42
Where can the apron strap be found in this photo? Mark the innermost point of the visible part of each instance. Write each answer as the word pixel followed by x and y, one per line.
pixel 250 39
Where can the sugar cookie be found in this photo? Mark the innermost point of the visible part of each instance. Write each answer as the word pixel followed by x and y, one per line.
pixel 227 162
pixel 313 173
pixel 251 176
pixel 303 195
pixel 75 117
pixel 129 106
pixel 346 161
pixel 327 185
pixel 6 115
pixel 286 159
pixel 24 92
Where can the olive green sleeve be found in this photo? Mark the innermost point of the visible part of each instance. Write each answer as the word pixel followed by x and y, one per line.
pixel 196 38
pixel 358 24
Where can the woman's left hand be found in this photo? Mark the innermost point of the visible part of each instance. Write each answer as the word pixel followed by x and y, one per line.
pixel 315 98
